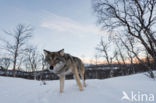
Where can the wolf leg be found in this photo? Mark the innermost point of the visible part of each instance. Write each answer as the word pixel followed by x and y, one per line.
pixel 62 77
pixel 82 73
pixel 78 79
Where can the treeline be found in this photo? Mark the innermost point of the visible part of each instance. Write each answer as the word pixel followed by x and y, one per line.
pixel 130 27
pixel 91 72
pixel 17 53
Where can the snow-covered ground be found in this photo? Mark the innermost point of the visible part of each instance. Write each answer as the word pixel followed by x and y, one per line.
pixel 16 90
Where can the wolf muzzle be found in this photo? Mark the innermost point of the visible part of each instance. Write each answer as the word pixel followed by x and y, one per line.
pixel 58 68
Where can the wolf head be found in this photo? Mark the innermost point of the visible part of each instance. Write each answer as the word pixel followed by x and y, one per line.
pixel 55 60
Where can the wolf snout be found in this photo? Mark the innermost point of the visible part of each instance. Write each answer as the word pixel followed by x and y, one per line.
pixel 51 67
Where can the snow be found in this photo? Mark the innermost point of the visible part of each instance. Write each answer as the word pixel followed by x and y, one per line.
pixel 16 90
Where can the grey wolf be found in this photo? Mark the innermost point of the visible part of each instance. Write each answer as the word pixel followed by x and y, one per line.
pixel 63 64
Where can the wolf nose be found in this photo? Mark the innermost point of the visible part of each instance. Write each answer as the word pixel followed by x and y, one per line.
pixel 51 67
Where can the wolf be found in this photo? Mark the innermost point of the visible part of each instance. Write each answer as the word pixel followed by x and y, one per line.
pixel 62 64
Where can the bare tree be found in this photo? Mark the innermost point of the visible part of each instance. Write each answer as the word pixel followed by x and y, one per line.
pixel 119 50
pixel 43 63
pixel 5 62
pixel 20 63
pixel 130 46
pixel 32 59
pixel 44 66
pixel 103 47
pixel 96 58
pixel 19 37
pixel 133 17
pixel 117 57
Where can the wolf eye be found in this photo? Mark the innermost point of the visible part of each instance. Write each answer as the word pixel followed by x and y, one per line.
pixel 47 59
pixel 57 60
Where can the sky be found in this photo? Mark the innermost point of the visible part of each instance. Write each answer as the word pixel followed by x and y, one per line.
pixel 57 24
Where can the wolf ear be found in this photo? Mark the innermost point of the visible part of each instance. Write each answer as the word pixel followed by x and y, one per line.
pixel 46 52
pixel 61 52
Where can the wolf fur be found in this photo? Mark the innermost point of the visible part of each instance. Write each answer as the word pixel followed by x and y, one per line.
pixel 63 64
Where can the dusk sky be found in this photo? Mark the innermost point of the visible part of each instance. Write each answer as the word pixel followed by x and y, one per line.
pixel 68 24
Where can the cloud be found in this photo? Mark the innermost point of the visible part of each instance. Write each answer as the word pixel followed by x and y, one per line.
pixel 65 24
